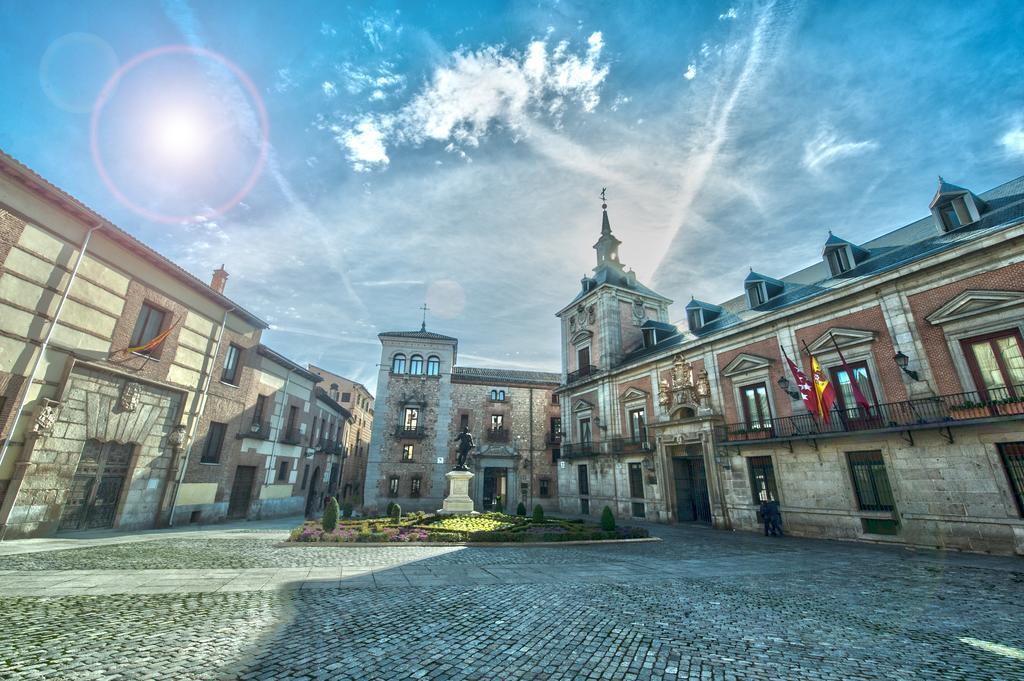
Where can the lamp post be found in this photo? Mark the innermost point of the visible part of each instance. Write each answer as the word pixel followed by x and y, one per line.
pixel 787 388
pixel 902 361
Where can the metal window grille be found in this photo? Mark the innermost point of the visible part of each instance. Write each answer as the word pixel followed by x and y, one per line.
pixel 762 479
pixel 870 481
pixel 1013 460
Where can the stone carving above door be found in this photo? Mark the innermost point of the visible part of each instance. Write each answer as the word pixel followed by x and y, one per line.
pixel 47 414
pixel 130 395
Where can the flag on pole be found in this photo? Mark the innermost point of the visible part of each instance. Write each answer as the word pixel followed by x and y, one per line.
pixel 825 393
pixel 802 385
pixel 858 395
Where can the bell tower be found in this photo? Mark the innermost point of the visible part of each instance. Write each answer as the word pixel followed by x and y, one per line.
pixel 607 246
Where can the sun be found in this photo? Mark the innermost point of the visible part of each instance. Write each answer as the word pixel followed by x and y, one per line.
pixel 179 135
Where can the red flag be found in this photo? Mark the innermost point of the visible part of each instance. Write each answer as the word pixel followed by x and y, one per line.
pixel 803 385
pixel 858 396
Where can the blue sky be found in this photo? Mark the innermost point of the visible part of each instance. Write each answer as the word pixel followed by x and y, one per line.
pixel 454 152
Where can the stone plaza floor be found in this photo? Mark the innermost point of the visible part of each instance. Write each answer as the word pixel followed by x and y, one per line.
pixel 229 602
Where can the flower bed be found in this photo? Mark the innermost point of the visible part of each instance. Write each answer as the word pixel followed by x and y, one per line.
pixel 487 527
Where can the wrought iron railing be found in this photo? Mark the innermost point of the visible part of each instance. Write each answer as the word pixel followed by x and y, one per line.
pixel 258 430
pixel 581 373
pixel 614 445
pixel 496 435
pixel 417 433
pixel 292 437
pixel 554 437
pixel 941 411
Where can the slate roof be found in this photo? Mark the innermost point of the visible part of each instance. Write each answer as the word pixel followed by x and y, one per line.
pixel 426 335
pixel 1002 207
pixel 287 363
pixel 481 375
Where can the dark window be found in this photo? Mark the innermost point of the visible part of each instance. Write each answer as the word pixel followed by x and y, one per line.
pixel 545 487
pixel 416 364
pixel 398 364
pixel 282 471
pixel 584 480
pixel 345 397
pixel 556 425
pixel 996 364
pixel 694 319
pixel 1013 459
pixel 556 454
pixel 312 432
pixel 762 479
pixel 584 431
pixel 232 366
pixel 407 452
pixel 554 399
pixel 756 412
pixel 257 412
pixel 636 481
pixel 214 442
pixel 433 366
pixel 583 358
pixel 463 421
pixel 870 481
pixel 637 426
pixel 393 486
pixel 414 486
pixel 293 415
pixel 585 506
pixel 756 294
pixel 305 476
pixel 147 326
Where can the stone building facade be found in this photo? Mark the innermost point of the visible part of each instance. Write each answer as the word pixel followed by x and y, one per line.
pixel 127 386
pixel 358 401
pixel 423 400
pixel 703 423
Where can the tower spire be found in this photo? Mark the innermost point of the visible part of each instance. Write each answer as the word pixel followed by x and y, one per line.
pixel 607 246
pixel 423 326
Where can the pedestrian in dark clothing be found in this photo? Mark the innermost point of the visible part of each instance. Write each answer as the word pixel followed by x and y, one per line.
pixel 772 518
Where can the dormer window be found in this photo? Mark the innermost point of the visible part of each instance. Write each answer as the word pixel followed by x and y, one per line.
pixel 838 261
pixel 695 319
pixel 650 338
pixel 953 207
pixel 756 294
pixel 841 255
pixel 699 313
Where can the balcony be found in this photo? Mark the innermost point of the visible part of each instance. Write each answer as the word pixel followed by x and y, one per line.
pixel 257 430
pixel 581 373
pixel 579 450
pixel 943 412
pixel 554 438
pixel 496 435
pixel 414 433
pixel 333 449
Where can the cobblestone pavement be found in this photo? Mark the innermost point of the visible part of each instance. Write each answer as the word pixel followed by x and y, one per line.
pixel 702 604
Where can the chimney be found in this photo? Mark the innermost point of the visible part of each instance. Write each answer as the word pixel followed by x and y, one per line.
pixel 220 277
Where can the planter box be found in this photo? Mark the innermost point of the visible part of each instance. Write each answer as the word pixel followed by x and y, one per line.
pixel 963 413
pixel 1011 409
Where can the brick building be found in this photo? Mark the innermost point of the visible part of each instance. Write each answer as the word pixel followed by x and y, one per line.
pixel 424 399
pixel 358 401
pixel 132 394
pixel 703 424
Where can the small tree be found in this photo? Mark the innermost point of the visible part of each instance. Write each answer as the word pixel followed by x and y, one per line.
pixel 607 520
pixel 521 509
pixel 330 520
pixel 396 512
pixel 346 510
pixel 538 514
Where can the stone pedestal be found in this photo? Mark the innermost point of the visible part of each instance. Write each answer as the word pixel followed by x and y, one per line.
pixel 457 502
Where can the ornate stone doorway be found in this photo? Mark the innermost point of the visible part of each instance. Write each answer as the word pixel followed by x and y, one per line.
pixel 495 484
pixel 96 488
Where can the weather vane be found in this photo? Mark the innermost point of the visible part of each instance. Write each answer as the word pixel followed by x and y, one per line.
pixel 604 199
pixel 423 327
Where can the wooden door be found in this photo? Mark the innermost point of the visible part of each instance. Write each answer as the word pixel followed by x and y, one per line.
pixel 241 492
pixel 96 488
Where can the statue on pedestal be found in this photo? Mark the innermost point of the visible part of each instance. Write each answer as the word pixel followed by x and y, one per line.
pixel 466 443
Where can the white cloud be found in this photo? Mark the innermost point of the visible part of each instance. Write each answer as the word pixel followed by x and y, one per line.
pixel 826 148
pixel 284 81
pixel 691 72
pixel 477 91
pixel 731 13
pixel 327 29
pixel 365 145
pixel 1013 141
pixel 329 88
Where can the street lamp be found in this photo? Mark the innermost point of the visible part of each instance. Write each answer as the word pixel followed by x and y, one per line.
pixel 902 361
pixel 787 388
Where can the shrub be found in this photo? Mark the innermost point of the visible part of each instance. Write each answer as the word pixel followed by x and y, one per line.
pixel 346 510
pixel 538 514
pixel 521 509
pixel 499 504
pixel 387 509
pixel 607 520
pixel 330 519
pixel 395 512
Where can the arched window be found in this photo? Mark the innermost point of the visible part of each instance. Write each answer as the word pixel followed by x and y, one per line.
pixel 398 364
pixel 501 395
pixel 416 364
pixel 433 366
pixel 494 394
